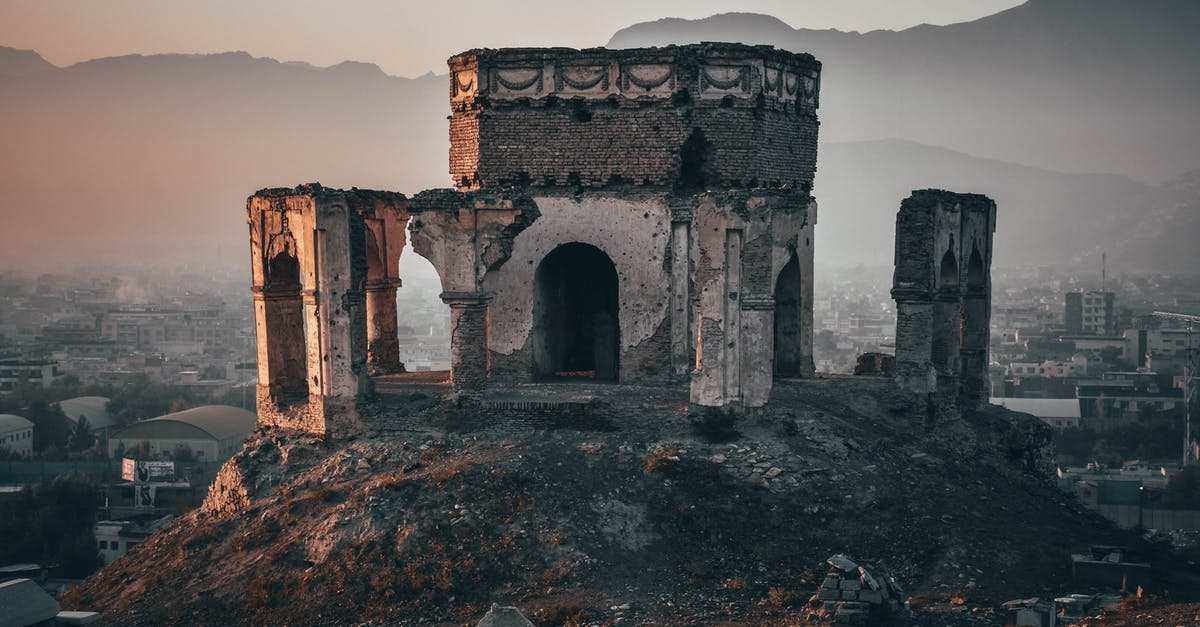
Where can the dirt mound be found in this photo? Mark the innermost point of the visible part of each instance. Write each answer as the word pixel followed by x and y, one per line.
pixel 660 517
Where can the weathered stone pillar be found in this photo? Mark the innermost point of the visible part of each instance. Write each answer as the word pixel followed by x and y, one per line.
pixel 468 339
pixel 805 254
pixel 914 337
pixel 758 354
pixel 681 233
pixel 279 325
pixel 383 343
pixel 945 346
pixel 974 353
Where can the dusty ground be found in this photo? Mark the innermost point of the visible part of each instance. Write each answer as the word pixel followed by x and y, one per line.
pixel 646 515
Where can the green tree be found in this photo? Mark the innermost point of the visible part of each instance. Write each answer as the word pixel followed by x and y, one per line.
pixel 51 429
pixel 52 524
pixel 81 436
pixel 1183 489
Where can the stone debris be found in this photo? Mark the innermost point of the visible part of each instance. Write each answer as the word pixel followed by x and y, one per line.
pixel 504 616
pixel 852 595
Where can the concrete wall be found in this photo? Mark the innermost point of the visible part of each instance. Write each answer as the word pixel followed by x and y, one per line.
pixel 1128 517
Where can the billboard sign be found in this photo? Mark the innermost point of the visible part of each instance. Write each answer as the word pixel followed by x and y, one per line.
pixel 141 471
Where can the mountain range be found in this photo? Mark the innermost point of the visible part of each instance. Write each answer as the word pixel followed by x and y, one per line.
pixel 149 159
pixel 1068 85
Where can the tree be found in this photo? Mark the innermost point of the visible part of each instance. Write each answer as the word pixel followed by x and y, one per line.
pixel 51 429
pixel 81 436
pixel 1183 489
pixel 53 525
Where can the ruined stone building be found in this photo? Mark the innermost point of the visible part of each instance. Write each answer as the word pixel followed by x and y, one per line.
pixel 637 216
pixel 942 287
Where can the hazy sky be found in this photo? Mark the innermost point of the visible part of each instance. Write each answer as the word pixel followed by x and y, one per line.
pixel 404 38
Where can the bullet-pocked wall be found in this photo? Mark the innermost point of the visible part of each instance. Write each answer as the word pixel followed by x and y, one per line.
pixel 723 115
pixel 618 210
pixel 324 266
pixel 942 288
pixel 638 216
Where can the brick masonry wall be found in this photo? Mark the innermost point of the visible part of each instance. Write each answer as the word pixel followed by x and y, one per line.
pixel 552 146
pixel 519 118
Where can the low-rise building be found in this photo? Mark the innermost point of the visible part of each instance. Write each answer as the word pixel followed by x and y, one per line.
pixel 14 372
pixel 208 433
pixel 16 435
pixel 114 538
pixel 1059 413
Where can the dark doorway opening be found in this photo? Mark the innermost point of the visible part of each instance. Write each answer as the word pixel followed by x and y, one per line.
pixel 695 162
pixel 283 305
pixel 575 316
pixel 789 324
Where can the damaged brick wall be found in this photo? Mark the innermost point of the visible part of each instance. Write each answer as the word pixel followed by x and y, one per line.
pixel 311 272
pixel 942 288
pixel 676 177
pixel 596 118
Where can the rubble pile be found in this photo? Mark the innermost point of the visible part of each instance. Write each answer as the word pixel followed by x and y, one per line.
pixel 852 595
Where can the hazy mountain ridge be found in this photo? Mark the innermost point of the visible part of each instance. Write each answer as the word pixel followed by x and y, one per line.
pixel 1052 83
pixel 159 152
pixel 1043 217
pixel 150 158
pixel 16 62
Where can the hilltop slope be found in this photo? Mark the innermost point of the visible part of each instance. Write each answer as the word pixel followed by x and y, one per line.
pixel 638 518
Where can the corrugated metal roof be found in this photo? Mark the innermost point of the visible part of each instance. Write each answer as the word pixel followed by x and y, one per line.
pixel 12 422
pixel 219 422
pixel 1041 407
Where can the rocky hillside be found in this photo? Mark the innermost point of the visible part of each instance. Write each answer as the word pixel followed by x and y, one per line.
pixel 651 515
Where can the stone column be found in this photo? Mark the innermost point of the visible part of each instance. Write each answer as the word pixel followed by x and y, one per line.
pixel 758 348
pixel 468 339
pixel 914 336
pixel 681 351
pixel 946 344
pixel 974 354
pixel 279 327
pixel 383 343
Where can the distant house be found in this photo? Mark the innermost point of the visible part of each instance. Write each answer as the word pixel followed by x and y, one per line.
pixel 1059 413
pixel 14 372
pixel 211 433
pixel 16 434
pixel 114 538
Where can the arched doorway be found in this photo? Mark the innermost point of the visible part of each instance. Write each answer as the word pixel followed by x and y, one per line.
pixel 789 356
pixel 576 332
pixel 287 361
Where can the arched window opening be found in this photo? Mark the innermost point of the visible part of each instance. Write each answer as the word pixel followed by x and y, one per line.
pixel 975 274
pixel 948 272
pixel 424 319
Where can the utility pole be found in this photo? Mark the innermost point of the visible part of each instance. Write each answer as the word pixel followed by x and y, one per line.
pixel 1188 356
